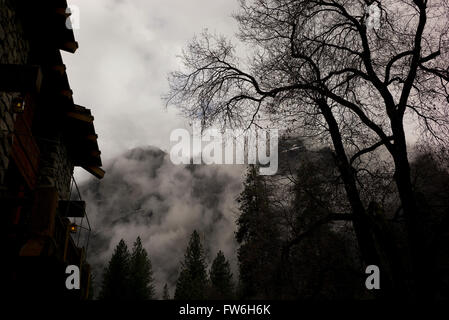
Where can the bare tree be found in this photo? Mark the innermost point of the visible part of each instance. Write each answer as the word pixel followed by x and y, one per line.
pixel 353 71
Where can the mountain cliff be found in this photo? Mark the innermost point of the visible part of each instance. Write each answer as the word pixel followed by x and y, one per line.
pixel 144 194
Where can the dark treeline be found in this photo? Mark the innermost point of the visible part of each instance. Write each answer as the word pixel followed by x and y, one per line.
pixel 295 236
pixel 296 231
pixel 129 275
pixel 194 283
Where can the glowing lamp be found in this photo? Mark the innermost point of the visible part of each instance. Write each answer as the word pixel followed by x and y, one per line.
pixel 73 228
pixel 18 105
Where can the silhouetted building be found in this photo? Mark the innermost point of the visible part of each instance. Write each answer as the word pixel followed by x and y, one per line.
pixel 43 136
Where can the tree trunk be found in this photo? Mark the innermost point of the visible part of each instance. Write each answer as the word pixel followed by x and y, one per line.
pixel 402 178
pixel 372 252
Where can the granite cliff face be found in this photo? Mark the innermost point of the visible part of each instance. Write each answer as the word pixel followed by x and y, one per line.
pixel 144 194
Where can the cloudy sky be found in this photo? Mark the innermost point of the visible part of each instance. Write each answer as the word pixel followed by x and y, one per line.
pixel 127 48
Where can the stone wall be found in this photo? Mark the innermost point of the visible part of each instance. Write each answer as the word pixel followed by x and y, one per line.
pixel 14 49
pixel 55 168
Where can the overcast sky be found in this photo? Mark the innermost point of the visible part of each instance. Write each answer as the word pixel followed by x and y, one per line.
pixel 127 48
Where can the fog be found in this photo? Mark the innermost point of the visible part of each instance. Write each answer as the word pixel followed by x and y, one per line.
pixel 144 194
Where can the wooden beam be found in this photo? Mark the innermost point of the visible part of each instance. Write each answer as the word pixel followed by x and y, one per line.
pixel 84 159
pixel 95 171
pixel 81 117
pixel 92 137
pixel 59 68
pixel 69 46
pixel 81 109
pixel 95 153
pixel 67 93
pixel 63 12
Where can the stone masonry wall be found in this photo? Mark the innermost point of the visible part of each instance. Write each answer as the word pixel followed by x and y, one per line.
pixel 14 49
pixel 55 168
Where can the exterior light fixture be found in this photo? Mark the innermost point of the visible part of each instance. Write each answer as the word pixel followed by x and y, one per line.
pixel 73 228
pixel 18 104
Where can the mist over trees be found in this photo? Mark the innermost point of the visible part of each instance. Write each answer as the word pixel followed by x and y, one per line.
pixel 195 283
pixel 141 273
pixel 165 293
pixel 116 275
pixel 128 276
pixel 360 89
pixel 324 71
pixel 145 194
pixel 290 243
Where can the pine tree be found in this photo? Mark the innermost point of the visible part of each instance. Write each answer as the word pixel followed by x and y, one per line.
pixel 221 278
pixel 115 284
pixel 141 274
pixel 192 281
pixel 259 239
pixel 165 294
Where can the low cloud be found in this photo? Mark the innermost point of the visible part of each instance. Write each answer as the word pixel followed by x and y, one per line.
pixel 144 194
